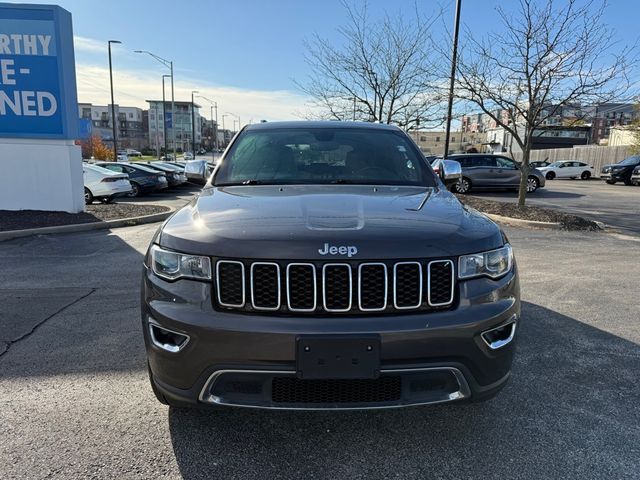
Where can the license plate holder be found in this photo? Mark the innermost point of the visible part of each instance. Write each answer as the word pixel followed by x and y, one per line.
pixel 337 356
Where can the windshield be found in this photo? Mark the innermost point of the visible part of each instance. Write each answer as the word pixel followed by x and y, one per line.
pixel 323 156
pixel 630 161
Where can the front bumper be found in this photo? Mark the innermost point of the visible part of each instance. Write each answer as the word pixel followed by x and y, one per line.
pixel 239 359
pixel 619 177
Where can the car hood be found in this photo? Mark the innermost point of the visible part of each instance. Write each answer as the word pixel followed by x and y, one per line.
pixel 295 222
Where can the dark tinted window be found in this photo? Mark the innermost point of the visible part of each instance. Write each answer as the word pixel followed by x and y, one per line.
pixel 324 156
pixel 630 161
pixel 115 168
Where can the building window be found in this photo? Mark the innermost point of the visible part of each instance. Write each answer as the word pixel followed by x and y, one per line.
pixel 423 139
pixel 437 139
pixel 130 115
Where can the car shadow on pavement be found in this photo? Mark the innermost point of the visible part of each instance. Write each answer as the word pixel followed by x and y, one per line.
pixel 570 410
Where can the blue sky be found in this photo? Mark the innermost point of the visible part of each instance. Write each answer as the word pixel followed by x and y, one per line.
pixel 244 54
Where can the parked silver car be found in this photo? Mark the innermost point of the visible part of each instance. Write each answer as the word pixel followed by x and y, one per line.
pixel 487 171
pixel 198 170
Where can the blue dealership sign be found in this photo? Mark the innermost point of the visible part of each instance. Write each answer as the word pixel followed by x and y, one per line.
pixel 38 97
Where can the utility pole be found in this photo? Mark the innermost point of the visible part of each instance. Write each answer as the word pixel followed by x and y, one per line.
pixel 164 118
pixel 157 133
pixel 193 123
pixel 454 56
pixel 169 65
pixel 113 105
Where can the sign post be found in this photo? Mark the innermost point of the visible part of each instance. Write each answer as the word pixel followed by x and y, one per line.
pixel 42 166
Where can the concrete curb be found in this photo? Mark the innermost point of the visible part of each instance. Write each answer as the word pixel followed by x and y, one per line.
pixel 83 227
pixel 524 223
pixel 533 223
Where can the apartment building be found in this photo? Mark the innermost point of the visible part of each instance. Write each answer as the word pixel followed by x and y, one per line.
pixel 129 124
pixel 162 125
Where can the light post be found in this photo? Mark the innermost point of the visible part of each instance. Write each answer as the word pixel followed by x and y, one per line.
pixel 454 54
pixel 214 105
pixel 224 130
pixel 164 118
pixel 157 133
pixel 234 122
pixel 113 105
pixel 169 65
pixel 193 123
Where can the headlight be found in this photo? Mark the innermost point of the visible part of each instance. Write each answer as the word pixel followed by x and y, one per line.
pixel 174 265
pixel 493 263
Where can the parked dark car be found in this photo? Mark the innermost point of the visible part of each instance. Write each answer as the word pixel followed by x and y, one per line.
pixel 483 171
pixel 325 266
pixel 621 171
pixel 143 180
pixel 173 177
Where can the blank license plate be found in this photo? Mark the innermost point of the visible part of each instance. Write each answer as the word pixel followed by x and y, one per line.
pixel 338 356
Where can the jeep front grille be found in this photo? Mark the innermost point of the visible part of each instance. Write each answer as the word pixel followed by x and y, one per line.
pixel 334 288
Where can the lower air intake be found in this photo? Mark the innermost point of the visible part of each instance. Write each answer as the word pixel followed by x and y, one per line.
pixel 295 390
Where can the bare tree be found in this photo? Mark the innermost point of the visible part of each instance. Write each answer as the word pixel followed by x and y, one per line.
pixel 385 71
pixel 548 55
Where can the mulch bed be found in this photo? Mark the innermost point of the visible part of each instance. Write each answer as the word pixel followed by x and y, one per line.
pixel 538 214
pixel 24 219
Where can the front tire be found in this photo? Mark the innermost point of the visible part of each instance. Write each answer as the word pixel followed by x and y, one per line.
pixel 611 182
pixel 532 184
pixel 585 175
pixel 463 186
pixel 88 196
pixel 550 175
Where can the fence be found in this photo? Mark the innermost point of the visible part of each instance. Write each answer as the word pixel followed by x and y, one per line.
pixel 592 155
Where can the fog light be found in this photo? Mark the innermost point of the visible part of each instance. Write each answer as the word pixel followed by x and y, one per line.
pixel 500 336
pixel 166 339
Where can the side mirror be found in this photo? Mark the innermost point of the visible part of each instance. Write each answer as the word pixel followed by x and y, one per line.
pixel 450 172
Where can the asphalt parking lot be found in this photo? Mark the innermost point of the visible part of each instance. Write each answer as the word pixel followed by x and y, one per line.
pixel 75 400
pixel 617 206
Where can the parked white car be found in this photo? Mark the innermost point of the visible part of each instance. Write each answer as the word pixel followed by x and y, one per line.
pixel 103 184
pixel 187 156
pixel 567 169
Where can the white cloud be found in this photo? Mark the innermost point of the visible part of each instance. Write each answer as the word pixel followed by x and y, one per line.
pixel 133 88
pixel 84 44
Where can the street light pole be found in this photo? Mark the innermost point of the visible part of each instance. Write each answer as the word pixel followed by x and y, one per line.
pixel 168 64
pixel 214 105
pixel 164 118
pixel 193 123
pixel 454 55
pixel 113 105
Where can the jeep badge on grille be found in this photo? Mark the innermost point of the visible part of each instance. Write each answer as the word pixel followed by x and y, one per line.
pixel 348 250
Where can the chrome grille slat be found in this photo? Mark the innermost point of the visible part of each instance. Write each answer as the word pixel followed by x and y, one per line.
pixel 335 287
pixel 399 290
pixel 254 287
pixel 327 297
pixel 315 288
pixel 434 290
pixel 361 289
pixel 221 288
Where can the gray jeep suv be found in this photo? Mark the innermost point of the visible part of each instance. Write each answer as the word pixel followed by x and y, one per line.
pixel 326 266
